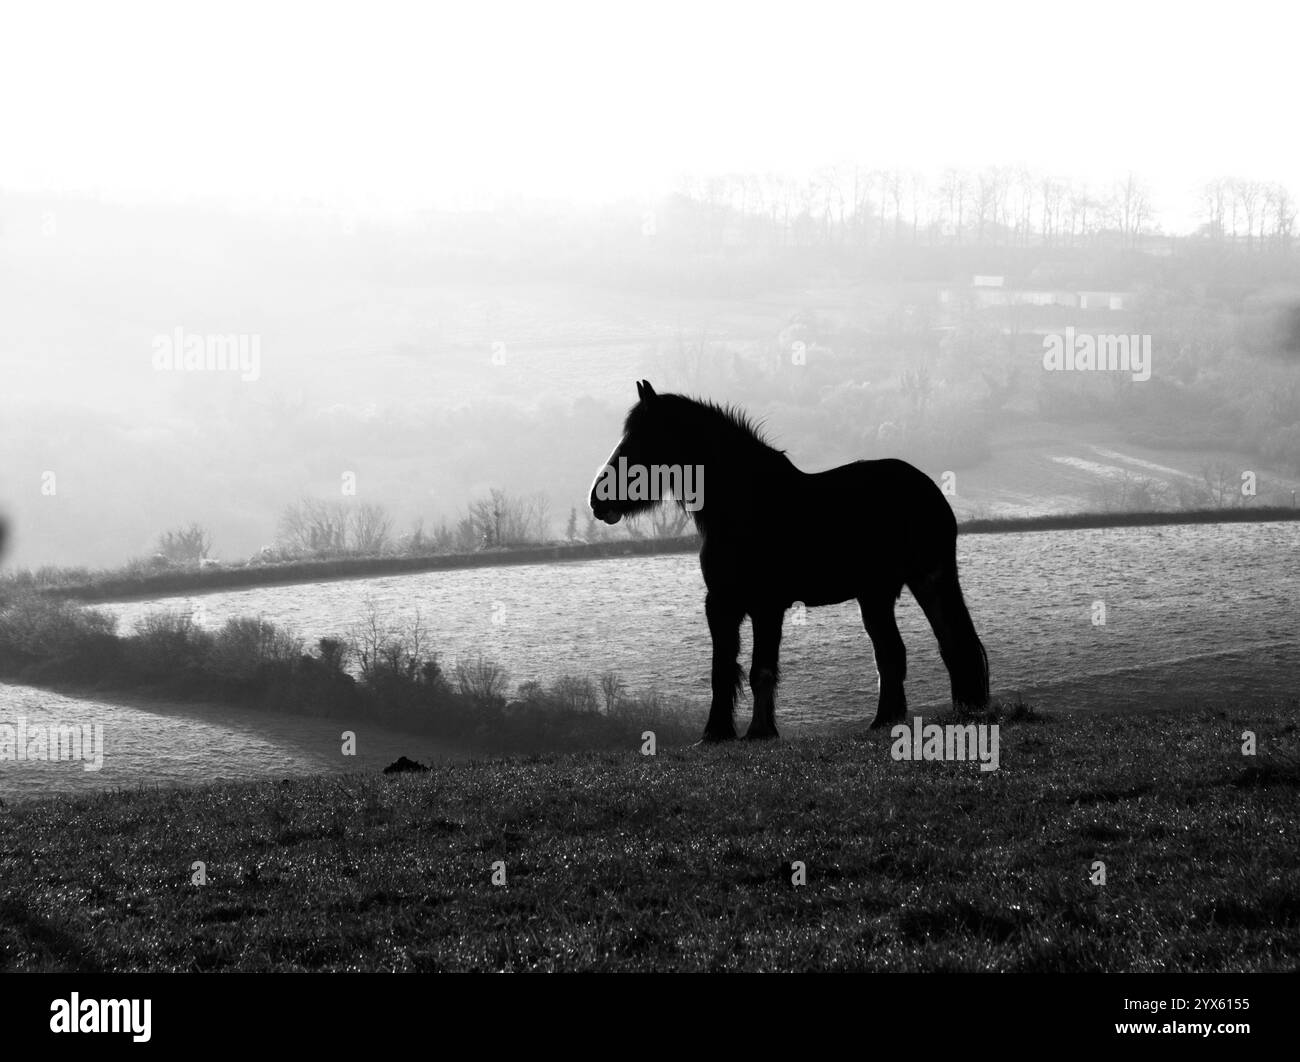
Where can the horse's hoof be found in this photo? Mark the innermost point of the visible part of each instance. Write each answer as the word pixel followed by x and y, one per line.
pixel 761 735
pixel 879 724
pixel 710 739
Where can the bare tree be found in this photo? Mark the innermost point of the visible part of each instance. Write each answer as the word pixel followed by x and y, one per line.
pixel 1129 492
pixel 894 183
pixel 1284 212
pixel 1024 220
pixel 1223 485
pixel 502 519
pixel 990 195
pixel 1053 192
pixel 595 531
pixel 1214 197
pixel 612 688
pixel 952 194
pixel 384 649
pixel 1082 207
pixel 668 520
pixel 1130 207
pixel 370 526
pixel 314 526
pixel 915 194
pixel 1249 194
pixel 185 545
pixel 481 681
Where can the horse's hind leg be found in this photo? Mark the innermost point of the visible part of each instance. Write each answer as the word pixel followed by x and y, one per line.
pixel 764 673
pixel 891 657
pixel 939 595
pixel 724 618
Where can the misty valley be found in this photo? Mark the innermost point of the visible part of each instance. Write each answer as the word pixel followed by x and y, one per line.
pixel 365 605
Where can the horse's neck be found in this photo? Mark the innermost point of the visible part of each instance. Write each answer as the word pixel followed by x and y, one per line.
pixel 739 480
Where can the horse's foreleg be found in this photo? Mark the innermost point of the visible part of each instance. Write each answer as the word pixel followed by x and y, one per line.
pixel 891 658
pixel 764 673
pixel 724 618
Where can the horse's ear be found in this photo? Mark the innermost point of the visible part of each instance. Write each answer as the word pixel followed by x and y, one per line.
pixel 644 390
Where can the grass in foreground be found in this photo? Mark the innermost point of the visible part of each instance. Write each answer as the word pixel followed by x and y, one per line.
pixel 618 861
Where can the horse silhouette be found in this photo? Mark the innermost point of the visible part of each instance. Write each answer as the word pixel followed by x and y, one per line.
pixel 774 535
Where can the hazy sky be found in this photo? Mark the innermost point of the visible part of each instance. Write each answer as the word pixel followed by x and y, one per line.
pixel 379 104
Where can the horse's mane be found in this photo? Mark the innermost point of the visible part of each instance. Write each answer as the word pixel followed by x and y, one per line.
pixel 726 420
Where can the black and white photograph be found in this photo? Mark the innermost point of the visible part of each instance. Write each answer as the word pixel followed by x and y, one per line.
pixel 645 489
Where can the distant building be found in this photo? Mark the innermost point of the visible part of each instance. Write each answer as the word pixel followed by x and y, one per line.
pixel 1157 246
pixel 994 296
pixel 1044 298
pixel 1103 300
pixel 989 291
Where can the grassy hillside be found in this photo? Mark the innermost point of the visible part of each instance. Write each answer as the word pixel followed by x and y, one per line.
pixel 619 861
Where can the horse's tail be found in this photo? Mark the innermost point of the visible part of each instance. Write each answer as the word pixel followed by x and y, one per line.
pixel 963 653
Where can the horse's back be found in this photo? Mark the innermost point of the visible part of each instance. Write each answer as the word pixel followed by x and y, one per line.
pixel 874 525
pixel 859 530
pixel 897 498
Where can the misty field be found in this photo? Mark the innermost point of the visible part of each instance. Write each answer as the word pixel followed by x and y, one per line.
pixel 682 861
pixel 1192 614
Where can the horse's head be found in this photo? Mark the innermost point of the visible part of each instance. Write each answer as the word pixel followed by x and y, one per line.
pixel 647 440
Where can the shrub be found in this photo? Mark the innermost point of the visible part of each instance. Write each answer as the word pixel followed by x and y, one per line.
pixel 672 721
pixel 264 665
pixel 481 681
pixel 167 642
pixel 334 654
pixel 321 684
pixel 248 647
pixel 184 545
pixel 37 627
pixel 573 694
pixel 612 689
